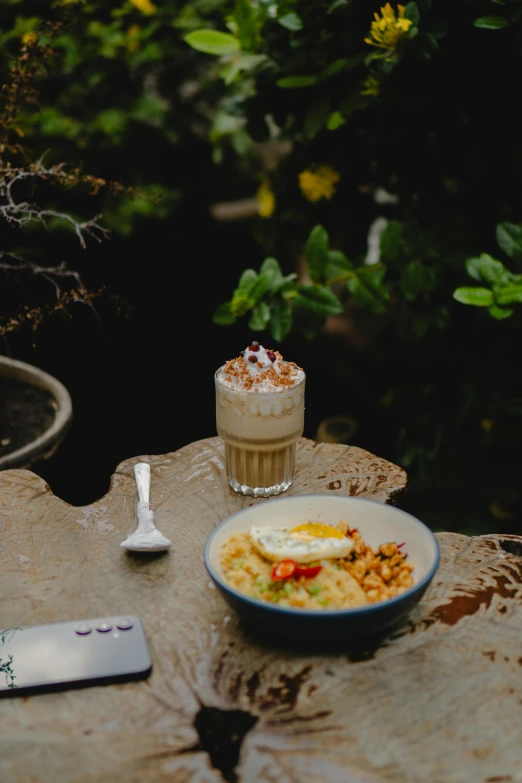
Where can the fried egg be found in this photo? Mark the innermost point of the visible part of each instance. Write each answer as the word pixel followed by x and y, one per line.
pixel 303 544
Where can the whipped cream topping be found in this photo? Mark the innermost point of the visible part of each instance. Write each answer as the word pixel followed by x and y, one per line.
pixel 258 359
pixel 259 369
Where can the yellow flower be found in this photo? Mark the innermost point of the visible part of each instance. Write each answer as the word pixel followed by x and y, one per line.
pixel 29 38
pixel 388 30
pixel 145 6
pixel 318 184
pixel 265 200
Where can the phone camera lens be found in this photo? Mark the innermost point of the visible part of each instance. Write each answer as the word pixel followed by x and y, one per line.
pixel 82 629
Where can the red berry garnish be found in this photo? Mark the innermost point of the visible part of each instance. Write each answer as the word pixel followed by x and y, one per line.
pixel 242 354
pixel 271 355
pixel 254 346
pixel 252 359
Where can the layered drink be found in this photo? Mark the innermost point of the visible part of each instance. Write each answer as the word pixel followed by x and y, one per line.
pixel 260 417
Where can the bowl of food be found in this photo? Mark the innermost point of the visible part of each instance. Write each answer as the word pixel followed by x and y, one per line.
pixel 321 568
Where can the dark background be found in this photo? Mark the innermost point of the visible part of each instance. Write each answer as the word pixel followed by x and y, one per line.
pixel 141 380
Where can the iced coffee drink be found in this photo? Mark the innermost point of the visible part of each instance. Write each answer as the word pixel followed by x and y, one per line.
pixel 260 417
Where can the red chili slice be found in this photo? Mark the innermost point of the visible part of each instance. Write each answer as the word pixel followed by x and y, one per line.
pixel 283 570
pixel 307 571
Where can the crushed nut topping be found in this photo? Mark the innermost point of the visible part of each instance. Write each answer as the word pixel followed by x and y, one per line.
pixel 257 368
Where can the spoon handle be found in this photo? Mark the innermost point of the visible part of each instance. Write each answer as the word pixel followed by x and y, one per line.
pixel 146 537
pixel 142 476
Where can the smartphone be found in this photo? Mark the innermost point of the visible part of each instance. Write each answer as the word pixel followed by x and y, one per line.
pixel 73 654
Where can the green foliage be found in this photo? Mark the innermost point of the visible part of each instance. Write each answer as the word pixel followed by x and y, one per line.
pixel 313 303
pixel 111 95
pixel 265 296
pixel 400 165
pixel 504 288
pixel 212 42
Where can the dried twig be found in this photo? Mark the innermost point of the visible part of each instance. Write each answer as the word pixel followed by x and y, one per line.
pixel 20 176
pixel 21 212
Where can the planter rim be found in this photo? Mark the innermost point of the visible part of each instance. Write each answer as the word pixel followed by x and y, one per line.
pixel 42 446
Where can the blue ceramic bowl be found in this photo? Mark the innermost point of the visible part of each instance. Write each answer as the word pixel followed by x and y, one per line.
pixel 377 523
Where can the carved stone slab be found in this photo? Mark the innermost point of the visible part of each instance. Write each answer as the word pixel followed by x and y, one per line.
pixel 438 701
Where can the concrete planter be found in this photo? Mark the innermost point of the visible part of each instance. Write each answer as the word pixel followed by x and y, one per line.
pixel 45 444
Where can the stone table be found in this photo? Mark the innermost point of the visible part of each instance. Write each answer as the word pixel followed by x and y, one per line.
pixel 437 701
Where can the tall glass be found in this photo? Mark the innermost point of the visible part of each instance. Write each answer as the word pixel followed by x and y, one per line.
pixel 260 430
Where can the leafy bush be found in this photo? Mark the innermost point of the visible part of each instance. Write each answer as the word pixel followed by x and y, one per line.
pixel 117 95
pixel 26 203
pixel 392 204
pixel 104 86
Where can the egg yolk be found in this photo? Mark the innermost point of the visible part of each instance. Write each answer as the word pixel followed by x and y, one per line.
pixel 317 530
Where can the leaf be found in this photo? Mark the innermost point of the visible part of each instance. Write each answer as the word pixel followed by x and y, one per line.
pixel 367 288
pixel 212 42
pixel 260 317
pixel 509 238
pixel 240 141
pixel 111 121
pixel 275 281
pixel 499 312
pixel 335 5
pixel 318 300
pixel 335 120
pixel 249 292
pixel 240 304
pixel 223 315
pixel 338 266
pixel 488 269
pixel 509 294
pixel 280 322
pixel 479 297
pixel 291 21
pixel 245 16
pixel 272 272
pixel 246 62
pixel 417 278
pixel 224 124
pixel 491 22
pixel 252 284
pixel 316 253
pixel 289 82
pixel 340 65
pixel 316 115
pixel 473 268
pixel 411 12
pixel 392 243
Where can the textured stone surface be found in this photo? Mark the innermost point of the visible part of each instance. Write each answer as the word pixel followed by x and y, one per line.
pixel 439 700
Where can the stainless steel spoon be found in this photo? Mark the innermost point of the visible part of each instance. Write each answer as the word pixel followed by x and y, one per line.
pixel 146 537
